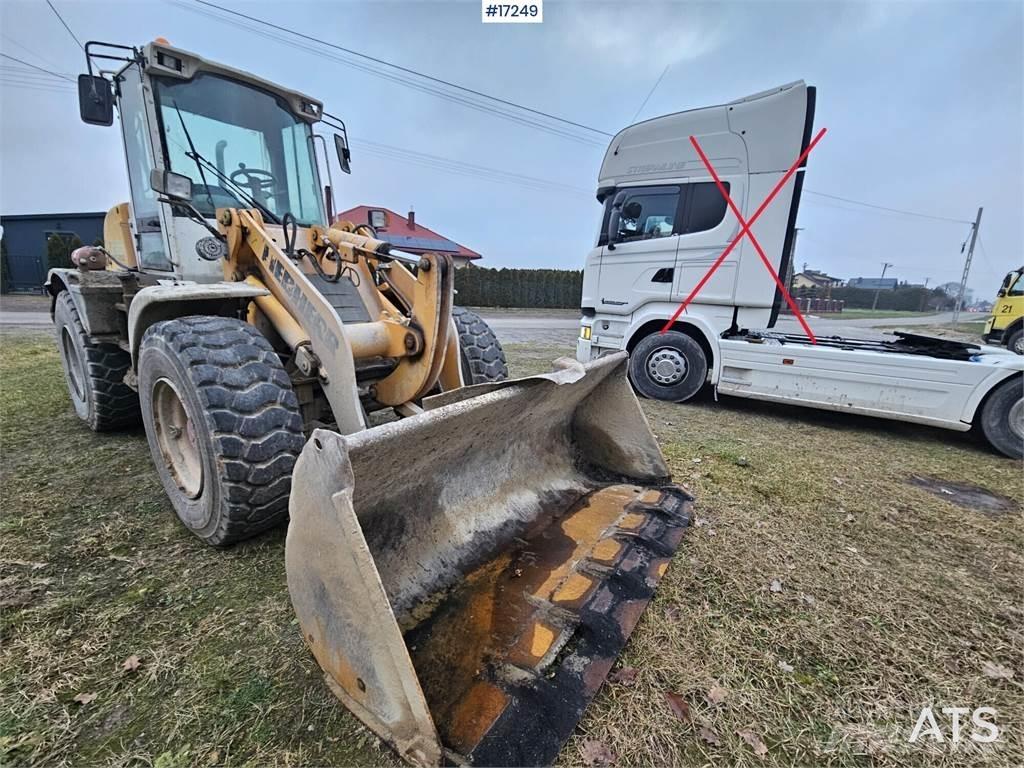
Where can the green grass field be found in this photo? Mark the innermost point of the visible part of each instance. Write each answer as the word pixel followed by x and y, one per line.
pixel 817 603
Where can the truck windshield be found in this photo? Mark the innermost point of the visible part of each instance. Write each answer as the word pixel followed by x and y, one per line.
pixel 250 135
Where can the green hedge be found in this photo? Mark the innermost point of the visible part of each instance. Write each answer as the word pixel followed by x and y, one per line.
pixel 542 288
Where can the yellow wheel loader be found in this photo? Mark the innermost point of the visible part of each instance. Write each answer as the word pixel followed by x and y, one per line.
pixel 466 573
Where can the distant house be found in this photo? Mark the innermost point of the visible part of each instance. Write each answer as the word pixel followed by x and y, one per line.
pixel 26 236
pixel 406 234
pixel 873 283
pixel 812 278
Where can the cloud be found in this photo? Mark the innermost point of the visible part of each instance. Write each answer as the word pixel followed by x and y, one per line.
pixel 648 36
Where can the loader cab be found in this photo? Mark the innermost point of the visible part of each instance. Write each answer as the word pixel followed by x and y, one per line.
pixel 665 221
pixel 242 142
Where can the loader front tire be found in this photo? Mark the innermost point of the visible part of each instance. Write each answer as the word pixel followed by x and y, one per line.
pixel 483 359
pixel 1002 418
pixel 94 372
pixel 223 425
pixel 668 366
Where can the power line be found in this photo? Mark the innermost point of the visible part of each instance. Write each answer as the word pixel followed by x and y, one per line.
pixel 465 169
pixel 522 119
pixel 33 66
pixel 886 208
pixel 406 70
pixel 651 93
pixel 61 18
pixel 16 44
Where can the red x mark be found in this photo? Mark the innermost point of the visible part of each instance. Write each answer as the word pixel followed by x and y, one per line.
pixel 745 230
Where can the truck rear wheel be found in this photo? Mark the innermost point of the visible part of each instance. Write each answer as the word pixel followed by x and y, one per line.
pixel 223 425
pixel 94 372
pixel 1015 342
pixel 483 359
pixel 1002 418
pixel 668 366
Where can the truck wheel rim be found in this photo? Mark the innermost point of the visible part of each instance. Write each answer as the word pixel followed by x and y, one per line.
pixel 1018 345
pixel 176 437
pixel 74 363
pixel 666 366
pixel 1017 419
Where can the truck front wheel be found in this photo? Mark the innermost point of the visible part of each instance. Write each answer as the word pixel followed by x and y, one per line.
pixel 668 366
pixel 1002 418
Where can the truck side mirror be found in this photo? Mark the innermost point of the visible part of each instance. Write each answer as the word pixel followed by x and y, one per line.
pixel 1001 293
pixel 344 154
pixel 612 235
pixel 176 186
pixel 95 100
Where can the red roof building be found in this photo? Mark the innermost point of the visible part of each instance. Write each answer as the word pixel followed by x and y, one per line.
pixel 406 234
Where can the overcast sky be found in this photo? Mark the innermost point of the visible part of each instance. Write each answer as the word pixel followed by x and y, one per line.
pixel 923 102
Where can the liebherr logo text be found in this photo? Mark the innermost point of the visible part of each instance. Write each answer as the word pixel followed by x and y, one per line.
pixel 298 300
pixel 655 168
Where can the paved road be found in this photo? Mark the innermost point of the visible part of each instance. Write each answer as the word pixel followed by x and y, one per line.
pixel 561 327
pixel 26 320
pixel 861 327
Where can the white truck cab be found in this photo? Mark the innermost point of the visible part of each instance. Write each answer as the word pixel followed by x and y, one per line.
pixel 665 223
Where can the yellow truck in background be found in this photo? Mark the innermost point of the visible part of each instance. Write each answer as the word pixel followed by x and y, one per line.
pixel 1006 325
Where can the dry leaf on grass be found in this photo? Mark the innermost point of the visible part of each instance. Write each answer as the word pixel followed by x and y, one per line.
pixel 775 586
pixel 679 706
pixel 996 671
pixel 785 667
pixel 131 664
pixel 707 734
pixel 716 695
pixel 85 698
pixel 624 675
pixel 596 753
pixel 756 742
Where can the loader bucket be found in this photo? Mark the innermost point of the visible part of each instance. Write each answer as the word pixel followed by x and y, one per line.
pixel 466 577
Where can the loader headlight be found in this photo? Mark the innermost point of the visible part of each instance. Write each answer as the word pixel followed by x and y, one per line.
pixel 585 332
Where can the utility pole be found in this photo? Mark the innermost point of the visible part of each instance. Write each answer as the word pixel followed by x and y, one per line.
pixel 885 266
pixel 924 295
pixel 967 268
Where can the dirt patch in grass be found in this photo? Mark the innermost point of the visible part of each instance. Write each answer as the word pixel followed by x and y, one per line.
pixel 968 496
pixel 818 603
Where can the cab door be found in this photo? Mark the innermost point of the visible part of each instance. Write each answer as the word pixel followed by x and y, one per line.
pixel 639 239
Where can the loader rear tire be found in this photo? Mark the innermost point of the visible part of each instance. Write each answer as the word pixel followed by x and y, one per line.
pixel 668 366
pixel 94 372
pixel 223 425
pixel 1002 418
pixel 483 359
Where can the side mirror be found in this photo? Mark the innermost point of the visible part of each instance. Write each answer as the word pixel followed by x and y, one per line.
pixel 344 154
pixel 169 184
pixel 95 100
pixel 1001 293
pixel 612 235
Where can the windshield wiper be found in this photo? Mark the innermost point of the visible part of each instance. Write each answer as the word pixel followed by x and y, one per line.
pixel 201 161
pixel 236 189
pixel 192 146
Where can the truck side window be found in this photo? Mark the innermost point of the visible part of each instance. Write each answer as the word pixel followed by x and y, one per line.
pixel 1017 289
pixel 705 207
pixel 648 213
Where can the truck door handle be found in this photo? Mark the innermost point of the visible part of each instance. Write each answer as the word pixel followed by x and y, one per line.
pixel 663 275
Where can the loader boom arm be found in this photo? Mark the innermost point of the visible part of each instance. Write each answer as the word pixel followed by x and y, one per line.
pixel 414 329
